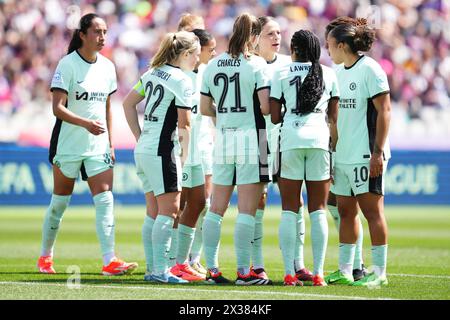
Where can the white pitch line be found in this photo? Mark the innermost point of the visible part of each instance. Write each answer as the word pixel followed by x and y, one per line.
pixel 294 294
pixel 329 271
pixel 418 275
pixel 398 274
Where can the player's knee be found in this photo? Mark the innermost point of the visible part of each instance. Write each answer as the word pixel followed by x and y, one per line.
pixel 200 203
pixel 346 215
pixel 373 217
pixel 218 209
pixel 104 198
pixel 58 204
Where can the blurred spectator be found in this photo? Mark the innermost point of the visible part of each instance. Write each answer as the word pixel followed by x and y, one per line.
pixel 413 48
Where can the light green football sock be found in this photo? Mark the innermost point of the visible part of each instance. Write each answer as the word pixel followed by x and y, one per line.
pixel 346 257
pixel 287 235
pixel 52 220
pixel 244 231
pixel 212 225
pixel 185 239
pixel 104 222
pixel 257 255
pixel 299 261
pixel 161 238
pixel 379 259
pixel 147 229
pixel 357 263
pixel 319 239
pixel 172 255
pixel 196 249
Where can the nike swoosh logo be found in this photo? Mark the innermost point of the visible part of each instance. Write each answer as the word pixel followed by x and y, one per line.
pixel 54 228
pixel 80 81
pixel 301 233
pixel 359 185
pixel 257 239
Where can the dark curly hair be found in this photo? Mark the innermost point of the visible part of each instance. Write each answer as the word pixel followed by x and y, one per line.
pixel 358 35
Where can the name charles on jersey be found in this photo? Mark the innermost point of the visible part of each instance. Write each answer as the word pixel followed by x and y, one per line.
pixel 228 62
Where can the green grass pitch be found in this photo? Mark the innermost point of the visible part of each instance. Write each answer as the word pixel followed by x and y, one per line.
pixel 418 259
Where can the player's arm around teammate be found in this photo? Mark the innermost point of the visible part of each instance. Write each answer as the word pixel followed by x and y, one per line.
pixel 311 94
pixel 168 92
pixel 81 86
pixel 362 149
pixel 231 80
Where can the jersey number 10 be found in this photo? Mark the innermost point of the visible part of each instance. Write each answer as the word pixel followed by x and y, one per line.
pixel 237 93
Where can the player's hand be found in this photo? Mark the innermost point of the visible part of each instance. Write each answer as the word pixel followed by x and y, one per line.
pixel 376 165
pixel 95 127
pixel 113 155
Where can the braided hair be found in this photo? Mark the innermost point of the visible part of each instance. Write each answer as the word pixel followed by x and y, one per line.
pixel 306 47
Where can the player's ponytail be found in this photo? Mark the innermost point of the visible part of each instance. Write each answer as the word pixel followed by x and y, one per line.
pixel 244 27
pixel 172 46
pixel 306 46
pixel 85 23
pixel 358 36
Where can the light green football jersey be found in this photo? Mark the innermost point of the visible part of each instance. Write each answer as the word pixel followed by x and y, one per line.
pixel 357 117
pixel 88 86
pixel 303 130
pixel 165 89
pixel 194 157
pixel 207 127
pixel 281 60
pixel 233 85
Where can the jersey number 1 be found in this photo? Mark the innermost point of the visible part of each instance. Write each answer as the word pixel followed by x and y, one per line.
pixel 297 82
pixel 237 93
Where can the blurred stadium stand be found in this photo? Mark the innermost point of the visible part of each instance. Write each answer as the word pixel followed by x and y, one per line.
pixel 413 48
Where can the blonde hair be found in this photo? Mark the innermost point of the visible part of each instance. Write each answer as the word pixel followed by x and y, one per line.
pixel 173 45
pixel 189 22
pixel 245 26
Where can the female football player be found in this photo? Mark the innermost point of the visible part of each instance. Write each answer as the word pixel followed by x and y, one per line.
pixel 232 80
pixel 362 150
pixel 311 94
pixel 268 48
pixel 168 92
pixel 81 140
